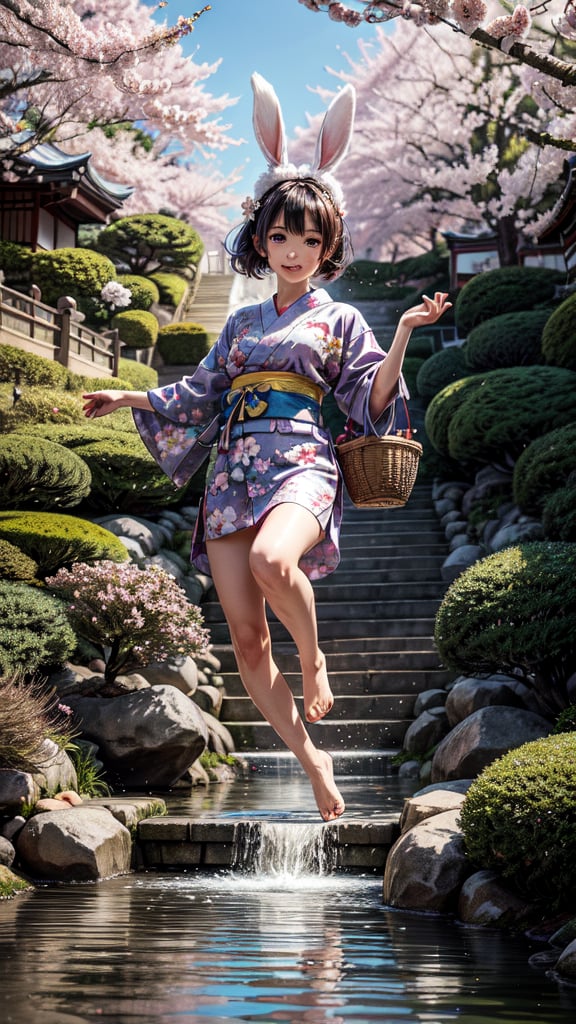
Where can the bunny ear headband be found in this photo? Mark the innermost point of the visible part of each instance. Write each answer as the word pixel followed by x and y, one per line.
pixel 331 146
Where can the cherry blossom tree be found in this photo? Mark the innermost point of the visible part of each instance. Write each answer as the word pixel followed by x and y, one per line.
pixel 109 80
pixel 504 25
pixel 444 142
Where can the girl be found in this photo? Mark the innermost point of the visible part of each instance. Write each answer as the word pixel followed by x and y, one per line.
pixel 270 518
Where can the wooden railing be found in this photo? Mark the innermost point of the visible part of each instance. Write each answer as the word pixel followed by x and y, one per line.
pixel 59 334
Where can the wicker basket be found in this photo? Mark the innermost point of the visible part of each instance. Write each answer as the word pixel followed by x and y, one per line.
pixel 379 472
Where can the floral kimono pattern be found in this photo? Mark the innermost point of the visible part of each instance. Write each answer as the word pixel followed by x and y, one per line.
pixel 284 454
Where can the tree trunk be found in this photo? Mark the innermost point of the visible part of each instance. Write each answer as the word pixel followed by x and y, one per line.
pixel 507 242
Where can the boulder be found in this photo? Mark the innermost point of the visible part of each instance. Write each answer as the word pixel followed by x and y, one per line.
pixel 435 801
pixel 426 866
pixel 467 695
pixel 179 671
pixel 426 731
pixel 429 699
pixel 7 852
pixel 209 698
pixel 149 536
pixel 75 844
pixel 481 738
pixel 146 738
pixel 17 788
pixel 566 965
pixel 460 559
pixel 56 769
pixel 484 900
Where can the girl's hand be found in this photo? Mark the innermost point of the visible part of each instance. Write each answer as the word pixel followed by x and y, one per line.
pixel 427 313
pixel 100 403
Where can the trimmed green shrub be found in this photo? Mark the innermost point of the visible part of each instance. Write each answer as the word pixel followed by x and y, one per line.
pixel 41 405
pixel 15 565
pixel 15 262
pixel 559 335
pixel 34 629
pixel 512 339
pixel 420 346
pixel 559 514
pixel 172 287
pixel 514 611
pixel 30 368
pixel 443 407
pixel 505 290
pixel 183 343
pixel 519 819
pixel 125 477
pixel 139 376
pixel 543 467
pixel 144 242
pixel 54 540
pixel 79 273
pixel 410 369
pixel 136 327
pixel 498 419
pixel 441 369
pixel 38 473
pixel 143 290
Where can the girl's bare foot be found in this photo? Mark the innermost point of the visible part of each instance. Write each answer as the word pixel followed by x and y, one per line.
pixel 318 697
pixel 329 799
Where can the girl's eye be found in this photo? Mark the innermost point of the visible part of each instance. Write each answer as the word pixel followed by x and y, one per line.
pixel 276 237
pixel 313 242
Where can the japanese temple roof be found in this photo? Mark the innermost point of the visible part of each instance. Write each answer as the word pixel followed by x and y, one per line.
pixel 69 177
pixel 563 215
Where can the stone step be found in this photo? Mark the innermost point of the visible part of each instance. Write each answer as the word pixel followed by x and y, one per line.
pixel 346 628
pixel 346 613
pixel 357 734
pixel 345 660
pixel 377 590
pixel 376 707
pixel 353 683
pixel 418 522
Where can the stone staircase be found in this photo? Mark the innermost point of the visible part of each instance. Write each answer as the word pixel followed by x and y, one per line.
pixel 376 621
pixel 209 304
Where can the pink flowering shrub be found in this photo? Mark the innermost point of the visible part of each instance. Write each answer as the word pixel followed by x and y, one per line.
pixel 133 616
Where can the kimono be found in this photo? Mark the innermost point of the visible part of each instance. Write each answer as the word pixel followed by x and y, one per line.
pixel 280 451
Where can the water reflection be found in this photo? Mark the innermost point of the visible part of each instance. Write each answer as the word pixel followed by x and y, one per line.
pixel 159 949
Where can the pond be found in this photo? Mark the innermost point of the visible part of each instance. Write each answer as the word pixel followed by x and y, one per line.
pixel 277 942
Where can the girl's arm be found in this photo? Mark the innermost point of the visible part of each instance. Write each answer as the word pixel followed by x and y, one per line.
pixel 386 380
pixel 100 403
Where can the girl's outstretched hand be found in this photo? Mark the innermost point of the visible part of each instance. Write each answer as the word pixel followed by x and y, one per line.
pixel 428 312
pixel 100 403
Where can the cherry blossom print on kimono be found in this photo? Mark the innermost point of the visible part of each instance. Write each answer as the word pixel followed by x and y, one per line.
pixel 284 454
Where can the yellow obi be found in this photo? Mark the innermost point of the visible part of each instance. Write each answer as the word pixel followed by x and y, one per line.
pixel 250 396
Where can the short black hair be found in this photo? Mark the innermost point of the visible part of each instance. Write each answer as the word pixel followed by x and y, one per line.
pixel 293 198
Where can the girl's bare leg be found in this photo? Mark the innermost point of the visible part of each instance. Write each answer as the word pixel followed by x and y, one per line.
pixel 243 604
pixel 288 531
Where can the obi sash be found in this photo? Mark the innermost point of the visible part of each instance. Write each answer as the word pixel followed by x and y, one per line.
pixel 281 395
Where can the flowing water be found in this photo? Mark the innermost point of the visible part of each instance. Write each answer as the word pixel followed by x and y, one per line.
pixel 278 939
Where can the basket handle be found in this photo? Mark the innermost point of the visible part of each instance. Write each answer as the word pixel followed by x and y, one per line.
pixel 351 428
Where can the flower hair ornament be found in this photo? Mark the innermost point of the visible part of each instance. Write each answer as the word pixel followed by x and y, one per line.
pixel 331 146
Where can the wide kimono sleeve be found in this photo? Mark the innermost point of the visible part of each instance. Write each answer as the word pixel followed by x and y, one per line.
pixel 361 359
pixel 181 427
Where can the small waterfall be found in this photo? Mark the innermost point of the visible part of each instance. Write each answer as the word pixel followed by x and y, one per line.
pixel 283 849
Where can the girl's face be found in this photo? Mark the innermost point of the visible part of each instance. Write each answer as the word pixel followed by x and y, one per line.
pixel 294 258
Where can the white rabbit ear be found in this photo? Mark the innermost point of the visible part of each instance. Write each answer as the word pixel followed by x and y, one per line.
pixel 268 123
pixel 336 130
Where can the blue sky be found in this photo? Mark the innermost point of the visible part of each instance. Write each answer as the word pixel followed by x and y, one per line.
pixel 288 44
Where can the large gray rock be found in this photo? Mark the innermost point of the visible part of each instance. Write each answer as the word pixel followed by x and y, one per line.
pixel 481 738
pixel 7 852
pixel 459 559
pixel 467 695
pixel 74 845
pixel 435 801
pixel 566 965
pixel 56 769
pixel 148 535
pixel 145 738
pixel 484 900
pixel 426 866
pixel 179 671
pixel 426 731
pixel 17 788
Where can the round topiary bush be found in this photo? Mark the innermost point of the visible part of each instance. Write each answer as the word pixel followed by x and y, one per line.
pixel 15 565
pixel 183 343
pixel 514 611
pixel 519 819
pixel 136 328
pixel 41 405
pixel 543 467
pixel 30 368
pixel 137 375
pixel 505 290
pixel 34 629
pixel 441 369
pixel 508 410
pixel 512 339
pixel 15 262
pixel 172 287
pixel 35 473
pixel 55 540
pixel 143 290
pixel 559 514
pixel 559 336
pixel 125 477
pixel 79 273
pixel 443 407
